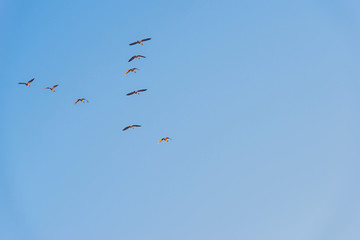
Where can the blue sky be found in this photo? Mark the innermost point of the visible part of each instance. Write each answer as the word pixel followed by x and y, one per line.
pixel 260 97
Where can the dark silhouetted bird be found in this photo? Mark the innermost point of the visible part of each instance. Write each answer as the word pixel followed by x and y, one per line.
pixel 132 126
pixel 131 70
pixel 52 88
pixel 136 92
pixel 166 139
pixel 136 56
pixel 81 100
pixel 140 41
pixel 27 83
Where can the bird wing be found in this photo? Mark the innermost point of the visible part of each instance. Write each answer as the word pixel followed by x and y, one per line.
pixel 77 101
pixel 136 125
pixel 22 83
pixel 132 58
pixel 126 128
pixel 47 88
pixel 133 43
pixel 160 140
pixel 146 39
pixel 55 86
pixel 131 93
pixel 142 90
pixel 31 80
pixel 141 56
pixel 85 100
pixel 127 72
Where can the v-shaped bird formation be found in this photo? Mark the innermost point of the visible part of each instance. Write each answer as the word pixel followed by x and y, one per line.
pixel 136 92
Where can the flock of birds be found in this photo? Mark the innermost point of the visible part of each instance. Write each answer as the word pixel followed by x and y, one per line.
pixel 137 92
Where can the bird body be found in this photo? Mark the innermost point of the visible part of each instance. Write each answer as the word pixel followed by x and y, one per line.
pixel 27 83
pixel 131 126
pixel 81 100
pixel 136 92
pixel 140 41
pixel 131 70
pixel 166 139
pixel 52 88
pixel 136 56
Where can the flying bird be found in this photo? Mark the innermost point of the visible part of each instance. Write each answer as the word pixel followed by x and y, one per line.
pixel 131 70
pixel 27 83
pixel 140 41
pixel 132 126
pixel 166 139
pixel 136 92
pixel 136 56
pixel 52 88
pixel 81 100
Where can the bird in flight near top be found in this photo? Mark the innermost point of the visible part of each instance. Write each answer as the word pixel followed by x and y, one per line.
pixel 27 83
pixel 131 70
pixel 52 88
pixel 136 56
pixel 140 41
pixel 166 139
pixel 81 100
pixel 136 92
pixel 132 127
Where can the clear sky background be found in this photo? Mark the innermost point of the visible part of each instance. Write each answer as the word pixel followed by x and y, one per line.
pixel 261 98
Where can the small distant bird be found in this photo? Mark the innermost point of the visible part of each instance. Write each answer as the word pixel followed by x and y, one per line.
pixel 132 126
pixel 166 139
pixel 136 56
pixel 140 41
pixel 28 83
pixel 131 70
pixel 136 92
pixel 52 88
pixel 81 100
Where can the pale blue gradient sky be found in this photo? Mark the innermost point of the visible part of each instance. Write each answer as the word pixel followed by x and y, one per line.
pixel 261 97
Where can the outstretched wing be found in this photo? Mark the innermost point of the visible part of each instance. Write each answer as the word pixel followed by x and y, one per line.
pixel 142 90
pixel 133 43
pixel 55 86
pixel 31 80
pixel 47 88
pixel 161 140
pixel 127 72
pixel 22 83
pixel 136 125
pixel 85 100
pixel 132 58
pixel 131 93
pixel 146 39
pixel 141 56
pixel 126 128
pixel 76 101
